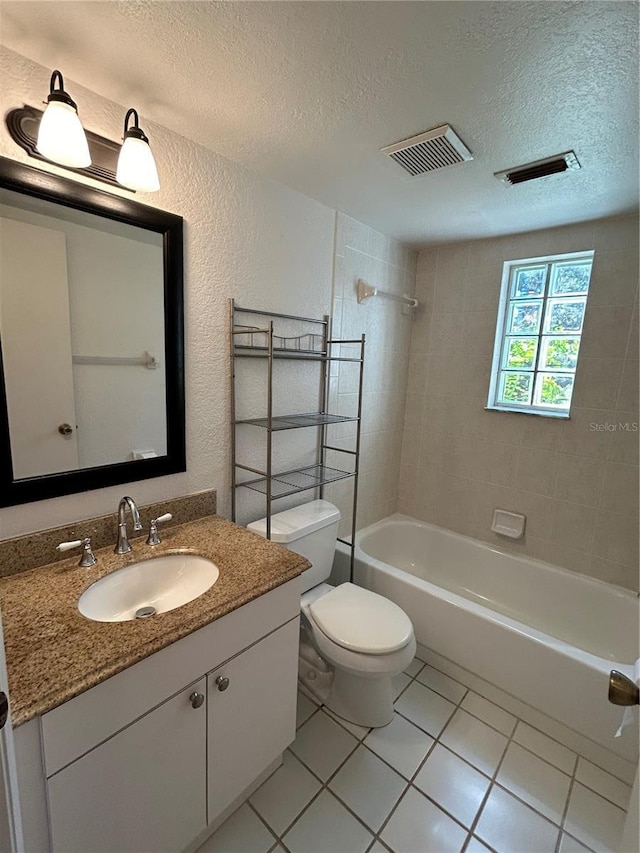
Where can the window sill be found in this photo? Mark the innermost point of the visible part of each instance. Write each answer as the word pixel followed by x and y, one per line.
pixel 541 413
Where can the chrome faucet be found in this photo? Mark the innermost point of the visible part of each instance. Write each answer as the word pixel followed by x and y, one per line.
pixel 122 543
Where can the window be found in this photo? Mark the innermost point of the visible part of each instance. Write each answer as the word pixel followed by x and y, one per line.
pixel 542 309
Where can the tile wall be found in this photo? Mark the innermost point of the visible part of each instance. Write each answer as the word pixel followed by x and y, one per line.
pixel 576 480
pixel 389 265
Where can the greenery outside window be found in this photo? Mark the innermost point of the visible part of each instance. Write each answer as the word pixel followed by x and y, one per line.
pixel 540 320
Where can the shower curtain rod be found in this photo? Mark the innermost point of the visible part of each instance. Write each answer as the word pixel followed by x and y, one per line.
pixel 365 291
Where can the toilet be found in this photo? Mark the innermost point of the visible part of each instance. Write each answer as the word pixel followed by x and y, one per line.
pixel 352 641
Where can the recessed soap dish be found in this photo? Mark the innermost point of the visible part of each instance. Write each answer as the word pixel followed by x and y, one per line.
pixel 509 524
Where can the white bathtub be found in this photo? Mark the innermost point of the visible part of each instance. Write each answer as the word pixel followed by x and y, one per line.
pixel 547 636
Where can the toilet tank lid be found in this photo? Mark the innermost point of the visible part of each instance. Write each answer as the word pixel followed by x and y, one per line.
pixel 297 522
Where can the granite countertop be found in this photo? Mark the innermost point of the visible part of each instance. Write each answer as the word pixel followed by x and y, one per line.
pixel 54 653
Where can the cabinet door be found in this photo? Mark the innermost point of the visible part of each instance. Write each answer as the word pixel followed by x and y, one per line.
pixel 253 720
pixel 142 790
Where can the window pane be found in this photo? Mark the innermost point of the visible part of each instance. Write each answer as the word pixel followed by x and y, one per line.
pixel 559 353
pixel 537 345
pixel 520 353
pixel 515 388
pixel 565 315
pixel 525 317
pixel 529 281
pixel 570 278
pixel 554 389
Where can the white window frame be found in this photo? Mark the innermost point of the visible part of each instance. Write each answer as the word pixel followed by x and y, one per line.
pixel 508 271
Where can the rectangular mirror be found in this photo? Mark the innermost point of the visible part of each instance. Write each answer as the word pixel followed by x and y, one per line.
pixel 91 338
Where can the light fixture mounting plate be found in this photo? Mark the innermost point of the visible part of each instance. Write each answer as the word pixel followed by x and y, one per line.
pixel 22 124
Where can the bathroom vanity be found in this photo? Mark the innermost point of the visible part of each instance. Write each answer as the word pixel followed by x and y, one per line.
pixel 144 734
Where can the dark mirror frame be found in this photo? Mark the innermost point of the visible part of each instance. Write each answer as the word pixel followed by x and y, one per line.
pixel 34 182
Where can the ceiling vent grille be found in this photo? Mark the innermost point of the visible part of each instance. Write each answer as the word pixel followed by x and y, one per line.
pixel 540 168
pixel 429 151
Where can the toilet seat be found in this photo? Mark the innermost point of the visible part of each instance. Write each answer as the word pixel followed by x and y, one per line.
pixel 361 621
pixel 358 663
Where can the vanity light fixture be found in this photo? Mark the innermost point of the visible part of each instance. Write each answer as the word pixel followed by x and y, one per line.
pixel 57 135
pixel 61 137
pixel 136 166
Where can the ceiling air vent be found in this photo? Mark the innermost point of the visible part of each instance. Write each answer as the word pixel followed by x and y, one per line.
pixel 540 169
pixel 431 150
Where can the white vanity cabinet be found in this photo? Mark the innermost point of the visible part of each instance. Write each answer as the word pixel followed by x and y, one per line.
pixel 143 789
pixel 250 713
pixel 151 757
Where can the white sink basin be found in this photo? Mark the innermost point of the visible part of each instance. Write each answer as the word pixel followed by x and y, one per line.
pixel 144 589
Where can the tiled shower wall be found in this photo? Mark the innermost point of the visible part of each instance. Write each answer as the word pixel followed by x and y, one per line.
pixel 389 265
pixel 576 480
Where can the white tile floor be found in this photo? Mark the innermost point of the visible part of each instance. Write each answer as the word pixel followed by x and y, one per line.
pixel 451 772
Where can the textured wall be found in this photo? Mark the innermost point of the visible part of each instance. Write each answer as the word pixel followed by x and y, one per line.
pixel 245 237
pixel 577 479
pixel 384 263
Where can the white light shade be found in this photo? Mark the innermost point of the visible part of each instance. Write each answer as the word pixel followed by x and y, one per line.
pixel 136 166
pixel 61 137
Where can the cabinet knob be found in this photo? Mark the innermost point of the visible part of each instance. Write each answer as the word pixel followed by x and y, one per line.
pixel 222 682
pixel 196 699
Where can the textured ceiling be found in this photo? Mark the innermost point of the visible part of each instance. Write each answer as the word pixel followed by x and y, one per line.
pixel 307 92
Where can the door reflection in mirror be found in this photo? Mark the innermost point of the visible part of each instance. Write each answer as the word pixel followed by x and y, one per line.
pixel 82 331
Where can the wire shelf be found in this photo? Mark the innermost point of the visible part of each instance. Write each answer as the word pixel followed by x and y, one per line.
pixel 301 355
pixel 297 421
pixel 256 338
pixel 299 480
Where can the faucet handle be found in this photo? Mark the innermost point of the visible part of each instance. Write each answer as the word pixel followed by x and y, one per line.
pixel 153 538
pixel 87 559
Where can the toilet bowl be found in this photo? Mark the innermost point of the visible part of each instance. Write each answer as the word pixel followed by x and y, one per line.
pixel 353 641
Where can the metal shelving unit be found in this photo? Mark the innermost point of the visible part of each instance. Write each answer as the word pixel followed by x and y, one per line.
pixel 262 342
pixel 297 421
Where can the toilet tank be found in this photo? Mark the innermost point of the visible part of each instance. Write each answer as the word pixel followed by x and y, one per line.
pixel 310 529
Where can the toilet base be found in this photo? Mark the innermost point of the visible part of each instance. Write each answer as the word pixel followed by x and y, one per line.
pixel 314 679
pixel 366 702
